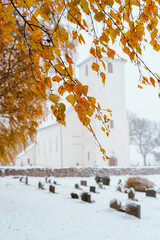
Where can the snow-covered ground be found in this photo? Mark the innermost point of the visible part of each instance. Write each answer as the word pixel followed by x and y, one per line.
pixel 28 213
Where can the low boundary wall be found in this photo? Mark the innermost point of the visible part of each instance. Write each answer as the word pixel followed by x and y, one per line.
pixel 77 172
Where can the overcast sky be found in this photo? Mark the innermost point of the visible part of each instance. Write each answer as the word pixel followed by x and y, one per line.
pixel 144 102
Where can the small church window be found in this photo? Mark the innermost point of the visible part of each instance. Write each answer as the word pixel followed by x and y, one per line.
pixel 110 67
pixel 88 156
pixel 86 70
pixel 50 147
pixel 44 146
pixel 56 144
pixel 111 124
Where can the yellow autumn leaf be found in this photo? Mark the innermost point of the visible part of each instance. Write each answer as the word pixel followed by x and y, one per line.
pixel 47 66
pixel 103 76
pixel 84 6
pixel 85 89
pixel 71 99
pixel 103 129
pixel 62 107
pixel 139 86
pixel 61 90
pixel 102 150
pixel 53 98
pixel 56 79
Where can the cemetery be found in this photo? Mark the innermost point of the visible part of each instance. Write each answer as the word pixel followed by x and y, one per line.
pixel 76 211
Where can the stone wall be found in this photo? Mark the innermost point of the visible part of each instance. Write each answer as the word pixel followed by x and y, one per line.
pixel 78 172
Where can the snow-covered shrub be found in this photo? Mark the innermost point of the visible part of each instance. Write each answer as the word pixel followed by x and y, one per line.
pixel 138 183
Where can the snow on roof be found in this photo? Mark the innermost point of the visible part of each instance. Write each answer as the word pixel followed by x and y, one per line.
pixel 24 151
pixel 90 57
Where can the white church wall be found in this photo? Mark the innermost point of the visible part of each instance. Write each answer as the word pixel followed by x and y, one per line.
pixel 27 157
pixel 72 141
pixel 48 147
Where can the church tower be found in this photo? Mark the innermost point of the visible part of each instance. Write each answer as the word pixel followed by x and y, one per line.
pixel 110 96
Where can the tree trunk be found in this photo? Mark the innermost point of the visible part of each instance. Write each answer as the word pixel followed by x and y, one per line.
pixel 144 159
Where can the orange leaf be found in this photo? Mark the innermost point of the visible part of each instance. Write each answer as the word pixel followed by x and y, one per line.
pixel 152 81
pixel 69 60
pixel 56 79
pixel 95 66
pixel 103 76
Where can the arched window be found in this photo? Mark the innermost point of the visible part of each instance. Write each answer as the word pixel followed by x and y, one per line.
pixel 110 67
pixel 86 69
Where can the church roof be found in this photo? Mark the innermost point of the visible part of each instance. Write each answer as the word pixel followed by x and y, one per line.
pixel 90 57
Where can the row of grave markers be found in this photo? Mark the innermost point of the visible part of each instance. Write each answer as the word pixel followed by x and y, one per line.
pixel 130 208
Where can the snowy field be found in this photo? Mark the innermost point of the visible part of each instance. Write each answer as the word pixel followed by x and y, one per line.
pixel 28 213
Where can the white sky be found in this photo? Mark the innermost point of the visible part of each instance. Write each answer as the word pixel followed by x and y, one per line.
pixel 144 102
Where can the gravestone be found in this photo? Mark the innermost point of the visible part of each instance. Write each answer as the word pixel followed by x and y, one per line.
pixel 131 194
pixel 116 204
pixel 74 195
pixel 40 185
pixel 119 186
pixel 83 183
pixel 151 193
pixel 104 179
pixel 21 179
pixel 52 189
pixel 46 179
pixel 86 197
pixel 92 189
pixel 76 186
pixel 133 209
pixel 26 181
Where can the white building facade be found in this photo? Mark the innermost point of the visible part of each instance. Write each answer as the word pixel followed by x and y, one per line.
pixel 71 146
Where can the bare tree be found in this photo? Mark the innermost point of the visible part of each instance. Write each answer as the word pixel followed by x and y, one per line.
pixel 144 134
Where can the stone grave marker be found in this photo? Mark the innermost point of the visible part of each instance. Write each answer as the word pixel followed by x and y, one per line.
pixel 74 195
pixel 119 186
pixel 21 178
pixel 131 194
pixel 52 188
pixel 104 179
pixel 26 181
pixel 92 189
pixel 116 204
pixel 76 186
pixel 83 183
pixel 86 197
pixel 151 193
pixel 46 179
pixel 49 181
pixel 40 186
pixel 133 209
